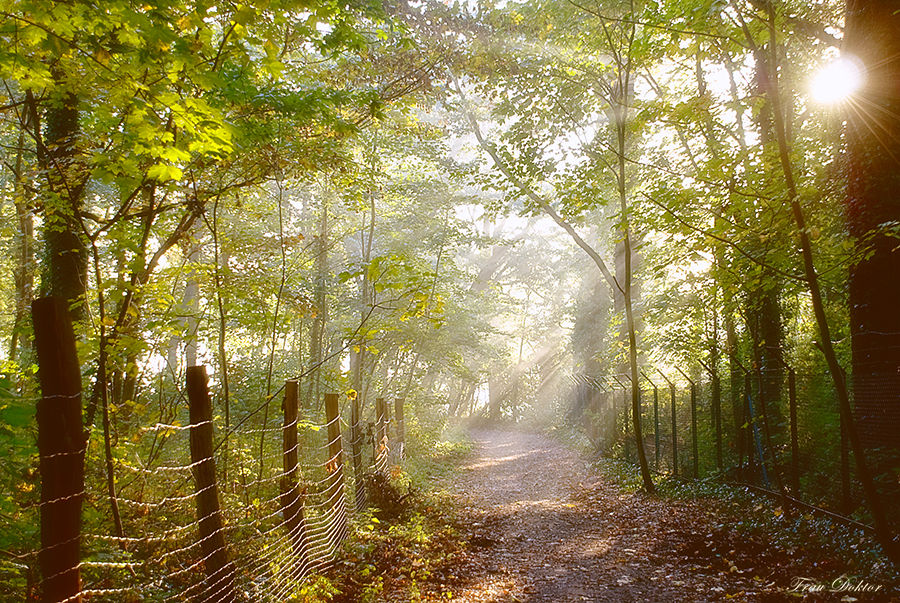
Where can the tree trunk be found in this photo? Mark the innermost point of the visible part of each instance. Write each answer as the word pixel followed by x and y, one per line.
pixel 873 200
pixel 882 526
pixel 192 301
pixel 317 332
pixel 220 263
pixel 619 110
pixel 763 304
pixel 61 444
pixel 24 271
pixel 65 252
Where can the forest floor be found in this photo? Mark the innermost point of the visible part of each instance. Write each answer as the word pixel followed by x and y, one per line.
pixel 536 524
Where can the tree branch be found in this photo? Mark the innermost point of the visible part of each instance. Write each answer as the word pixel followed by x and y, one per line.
pixel 529 192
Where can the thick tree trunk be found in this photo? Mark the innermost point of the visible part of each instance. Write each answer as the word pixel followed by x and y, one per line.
pixel 192 301
pixel 873 200
pixel 61 443
pixel 65 253
pixel 763 307
pixel 882 526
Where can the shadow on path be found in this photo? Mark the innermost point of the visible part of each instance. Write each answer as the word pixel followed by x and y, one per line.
pixel 541 528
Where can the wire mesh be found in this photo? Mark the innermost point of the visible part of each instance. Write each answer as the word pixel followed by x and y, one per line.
pixel 159 555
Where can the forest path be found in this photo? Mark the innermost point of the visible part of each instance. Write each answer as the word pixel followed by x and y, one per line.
pixel 541 527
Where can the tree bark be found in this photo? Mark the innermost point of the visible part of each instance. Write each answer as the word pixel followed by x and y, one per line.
pixel 882 527
pixel 220 572
pixel 873 201
pixel 61 444
pixel 619 110
pixel 65 252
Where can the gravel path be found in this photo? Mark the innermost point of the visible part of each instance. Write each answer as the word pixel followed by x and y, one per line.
pixel 542 528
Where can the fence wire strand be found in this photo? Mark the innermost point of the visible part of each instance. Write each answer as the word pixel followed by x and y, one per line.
pixel 162 556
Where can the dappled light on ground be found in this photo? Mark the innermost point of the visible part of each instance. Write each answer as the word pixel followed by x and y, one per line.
pixel 541 527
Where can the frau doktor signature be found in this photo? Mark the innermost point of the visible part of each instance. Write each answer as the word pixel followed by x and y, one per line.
pixel 841 584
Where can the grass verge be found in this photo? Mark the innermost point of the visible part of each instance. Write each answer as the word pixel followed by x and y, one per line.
pixel 405 546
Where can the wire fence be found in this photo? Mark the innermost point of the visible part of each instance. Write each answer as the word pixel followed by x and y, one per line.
pixel 777 431
pixel 279 482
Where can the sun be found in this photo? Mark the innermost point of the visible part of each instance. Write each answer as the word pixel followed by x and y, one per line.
pixel 837 81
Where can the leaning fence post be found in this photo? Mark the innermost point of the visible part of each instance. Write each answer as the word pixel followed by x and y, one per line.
pixel 717 411
pixel 335 465
pixel 716 393
pixel 61 444
pixel 401 426
pixel 388 421
pixel 628 425
pixel 795 445
pixel 219 571
pixel 291 496
pixel 656 422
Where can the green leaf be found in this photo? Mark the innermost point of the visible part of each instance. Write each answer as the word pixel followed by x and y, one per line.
pixel 163 172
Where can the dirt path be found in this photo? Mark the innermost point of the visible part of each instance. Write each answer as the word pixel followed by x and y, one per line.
pixel 542 528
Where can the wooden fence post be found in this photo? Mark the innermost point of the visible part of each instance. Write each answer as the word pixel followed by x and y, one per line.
pixel 401 426
pixel 749 419
pixel 335 464
pixel 61 444
pixel 291 496
pixel 388 421
pixel 219 571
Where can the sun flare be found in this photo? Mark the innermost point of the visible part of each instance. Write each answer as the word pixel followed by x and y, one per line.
pixel 837 81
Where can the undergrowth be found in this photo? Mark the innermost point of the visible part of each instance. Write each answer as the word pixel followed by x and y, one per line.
pixel 812 540
pixel 403 547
